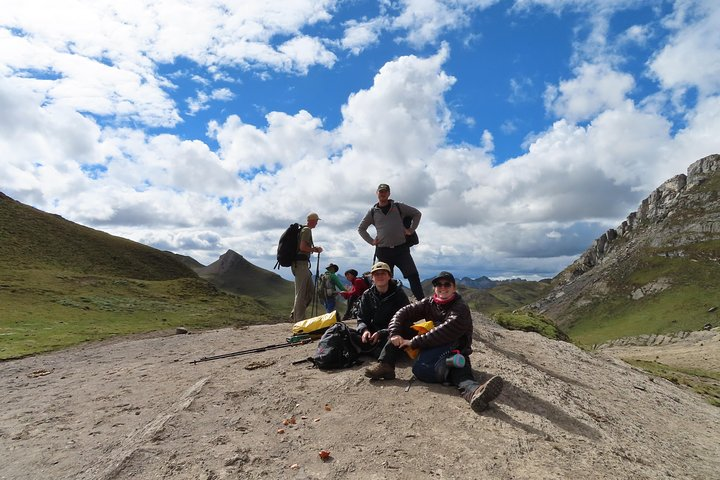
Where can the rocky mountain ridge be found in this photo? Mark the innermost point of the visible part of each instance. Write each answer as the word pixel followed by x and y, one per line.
pixel 660 205
pixel 679 220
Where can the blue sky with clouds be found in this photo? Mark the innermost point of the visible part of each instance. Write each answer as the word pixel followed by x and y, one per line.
pixel 521 129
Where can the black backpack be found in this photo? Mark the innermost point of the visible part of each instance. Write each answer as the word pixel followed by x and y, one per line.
pixel 288 246
pixel 336 348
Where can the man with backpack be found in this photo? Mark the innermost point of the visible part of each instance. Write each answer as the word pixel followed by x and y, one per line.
pixel 376 308
pixel 443 350
pixel 328 287
pixel 391 238
pixel 304 290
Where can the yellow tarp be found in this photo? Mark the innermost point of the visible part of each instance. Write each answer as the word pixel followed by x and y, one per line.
pixel 314 324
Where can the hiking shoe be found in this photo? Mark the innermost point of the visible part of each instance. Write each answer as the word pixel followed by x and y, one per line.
pixel 481 397
pixel 380 370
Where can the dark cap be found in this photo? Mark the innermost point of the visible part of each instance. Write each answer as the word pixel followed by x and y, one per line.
pixel 383 186
pixel 332 267
pixel 444 276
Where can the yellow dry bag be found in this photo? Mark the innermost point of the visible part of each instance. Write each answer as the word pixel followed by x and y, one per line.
pixel 315 325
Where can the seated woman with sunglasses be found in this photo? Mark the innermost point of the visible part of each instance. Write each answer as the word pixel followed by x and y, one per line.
pixel 444 349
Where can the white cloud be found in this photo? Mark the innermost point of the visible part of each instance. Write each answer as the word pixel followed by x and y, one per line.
pixel 594 89
pixel 286 141
pixel 202 100
pixel 403 118
pixel 360 35
pixel 100 56
pixel 426 20
pixel 305 52
pixel 692 57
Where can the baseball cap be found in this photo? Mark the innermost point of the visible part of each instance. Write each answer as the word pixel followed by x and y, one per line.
pixel 381 266
pixel 383 186
pixel 313 216
pixel 444 276
pixel 333 267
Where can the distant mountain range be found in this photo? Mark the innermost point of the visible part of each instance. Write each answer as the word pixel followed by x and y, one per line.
pixel 485 282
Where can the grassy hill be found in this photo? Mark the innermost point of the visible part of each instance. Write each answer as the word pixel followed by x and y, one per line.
pixel 62 283
pixel 31 238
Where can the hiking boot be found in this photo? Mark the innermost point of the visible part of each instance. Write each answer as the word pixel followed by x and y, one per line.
pixel 380 370
pixel 482 395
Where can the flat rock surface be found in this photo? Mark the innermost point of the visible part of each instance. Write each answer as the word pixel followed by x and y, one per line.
pixel 139 408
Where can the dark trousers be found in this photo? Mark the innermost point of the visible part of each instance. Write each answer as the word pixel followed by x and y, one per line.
pixel 400 257
pixel 390 354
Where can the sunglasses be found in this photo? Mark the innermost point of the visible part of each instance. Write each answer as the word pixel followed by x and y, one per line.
pixel 444 284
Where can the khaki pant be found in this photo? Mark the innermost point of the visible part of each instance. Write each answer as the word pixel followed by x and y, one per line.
pixel 304 290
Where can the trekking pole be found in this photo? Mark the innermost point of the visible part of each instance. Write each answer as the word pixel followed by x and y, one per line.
pixel 252 350
pixel 315 294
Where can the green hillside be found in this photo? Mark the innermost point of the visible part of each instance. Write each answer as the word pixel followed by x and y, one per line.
pixel 62 283
pixel 681 292
pixel 31 238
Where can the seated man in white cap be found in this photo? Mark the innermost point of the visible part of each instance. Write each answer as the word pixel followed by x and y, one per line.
pixel 377 306
pixel 450 336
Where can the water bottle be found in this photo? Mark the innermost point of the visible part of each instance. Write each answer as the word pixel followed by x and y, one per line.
pixel 457 360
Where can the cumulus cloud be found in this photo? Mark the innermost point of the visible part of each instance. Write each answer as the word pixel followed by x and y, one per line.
pixel 80 81
pixel 360 35
pixel 692 56
pixel 595 88
pixel 202 100
pixel 426 20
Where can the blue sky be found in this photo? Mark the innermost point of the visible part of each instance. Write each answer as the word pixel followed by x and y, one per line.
pixel 521 129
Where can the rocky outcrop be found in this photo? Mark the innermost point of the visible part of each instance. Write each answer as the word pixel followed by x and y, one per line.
pixel 677 216
pixel 654 210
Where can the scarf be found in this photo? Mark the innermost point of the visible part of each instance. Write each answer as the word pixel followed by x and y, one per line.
pixel 440 301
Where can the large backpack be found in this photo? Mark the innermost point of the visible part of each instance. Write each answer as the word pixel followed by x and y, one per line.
pixel 326 288
pixel 288 246
pixel 336 348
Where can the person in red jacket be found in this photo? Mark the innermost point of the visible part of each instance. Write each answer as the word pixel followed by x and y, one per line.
pixel 357 286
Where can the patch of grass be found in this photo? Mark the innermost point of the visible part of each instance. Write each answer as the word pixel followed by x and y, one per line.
pixel 45 310
pixel 704 382
pixel 693 290
pixel 676 309
pixel 530 322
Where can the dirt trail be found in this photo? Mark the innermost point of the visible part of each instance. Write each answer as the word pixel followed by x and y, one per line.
pixel 137 408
